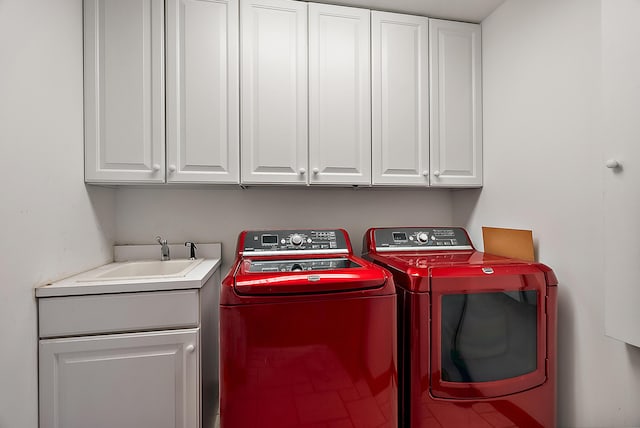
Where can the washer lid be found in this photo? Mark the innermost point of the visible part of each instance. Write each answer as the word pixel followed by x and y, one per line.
pixel 307 276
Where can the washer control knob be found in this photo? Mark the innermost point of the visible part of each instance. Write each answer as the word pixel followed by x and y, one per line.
pixel 296 267
pixel 422 237
pixel 296 239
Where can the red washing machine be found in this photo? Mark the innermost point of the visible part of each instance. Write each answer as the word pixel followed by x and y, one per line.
pixel 307 334
pixel 476 332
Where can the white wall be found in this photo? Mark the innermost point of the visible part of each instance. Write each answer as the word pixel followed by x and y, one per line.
pixel 219 215
pixel 544 171
pixel 52 226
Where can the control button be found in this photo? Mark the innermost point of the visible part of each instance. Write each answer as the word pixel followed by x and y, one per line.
pixel 283 241
pixel 422 237
pixel 309 241
pixel 296 239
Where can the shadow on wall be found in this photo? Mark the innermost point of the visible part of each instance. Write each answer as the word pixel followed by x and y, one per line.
pixel 633 353
pixel 464 205
pixel 103 205
pixel 566 368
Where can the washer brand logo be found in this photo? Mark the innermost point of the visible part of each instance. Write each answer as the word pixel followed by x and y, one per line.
pixel 488 271
pixel 313 278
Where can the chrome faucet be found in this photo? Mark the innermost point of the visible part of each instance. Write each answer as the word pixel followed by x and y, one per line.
pixel 164 251
pixel 192 249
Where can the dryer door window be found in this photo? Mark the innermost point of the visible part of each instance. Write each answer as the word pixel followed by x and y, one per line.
pixel 488 334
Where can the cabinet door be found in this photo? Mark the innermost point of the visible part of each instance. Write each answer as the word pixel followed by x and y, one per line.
pixel 456 104
pixel 400 109
pixel 142 380
pixel 339 95
pixel 621 199
pixel 124 90
pixel 202 91
pixel 274 91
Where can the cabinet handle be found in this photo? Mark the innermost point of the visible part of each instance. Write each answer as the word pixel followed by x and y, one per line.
pixel 612 163
pixel 436 173
pixel 155 167
pixel 315 171
pixel 302 171
pixel 425 173
pixel 172 168
pixel 190 348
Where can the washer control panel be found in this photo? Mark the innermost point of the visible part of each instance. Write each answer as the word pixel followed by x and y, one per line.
pixel 292 241
pixel 300 265
pixel 421 238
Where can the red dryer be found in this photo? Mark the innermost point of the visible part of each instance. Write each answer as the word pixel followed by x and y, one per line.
pixel 307 334
pixel 476 332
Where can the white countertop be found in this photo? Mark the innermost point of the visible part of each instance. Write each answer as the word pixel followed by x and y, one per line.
pixel 83 283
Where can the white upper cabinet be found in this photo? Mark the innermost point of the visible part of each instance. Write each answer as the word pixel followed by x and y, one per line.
pixel 124 90
pixel 274 91
pixel 202 91
pixel 339 95
pixel 456 104
pixel 400 109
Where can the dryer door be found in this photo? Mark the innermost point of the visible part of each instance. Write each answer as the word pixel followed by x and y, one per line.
pixel 489 330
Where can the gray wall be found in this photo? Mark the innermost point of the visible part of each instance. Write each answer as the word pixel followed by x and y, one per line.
pixel 207 215
pixel 52 225
pixel 544 169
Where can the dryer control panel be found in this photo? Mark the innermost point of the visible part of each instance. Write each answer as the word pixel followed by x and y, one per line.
pixel 295 241
pixel 421 238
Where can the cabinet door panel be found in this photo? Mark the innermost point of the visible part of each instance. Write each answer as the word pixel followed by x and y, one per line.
pixel 127 381
pixel 400 110
pixel 339 95
pixel 124 90
pixel 274 91
pixel 456 104
pixel 202 91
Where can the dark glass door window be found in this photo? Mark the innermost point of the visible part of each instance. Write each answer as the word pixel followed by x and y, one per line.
pixel 488 336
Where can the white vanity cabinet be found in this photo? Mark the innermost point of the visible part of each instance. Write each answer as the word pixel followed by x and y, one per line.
pixel 339 95
pixel 455 104
pixel 129 360
pixel 125 85
pixel 400 103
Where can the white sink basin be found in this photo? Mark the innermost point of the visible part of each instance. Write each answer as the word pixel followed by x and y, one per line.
pixel 145 269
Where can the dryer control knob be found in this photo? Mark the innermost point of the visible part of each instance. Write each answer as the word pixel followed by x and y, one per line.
pixel 296 239
pixel 422 237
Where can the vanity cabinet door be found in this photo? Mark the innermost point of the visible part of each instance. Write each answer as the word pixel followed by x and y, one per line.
pixel 124 91
pixel 339 95
pixel 139 380
pixel 202 91
pixel 274 91
pixel 456 104
pixel 400 104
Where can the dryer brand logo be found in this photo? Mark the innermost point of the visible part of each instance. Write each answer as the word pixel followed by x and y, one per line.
pixel 487 270
pixel 313 278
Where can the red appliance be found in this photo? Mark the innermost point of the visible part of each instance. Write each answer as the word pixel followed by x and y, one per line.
pixel 307 334
pixel 476 332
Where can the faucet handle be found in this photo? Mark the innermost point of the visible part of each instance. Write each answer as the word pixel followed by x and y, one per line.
pixel 192 249
pixel 161 241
